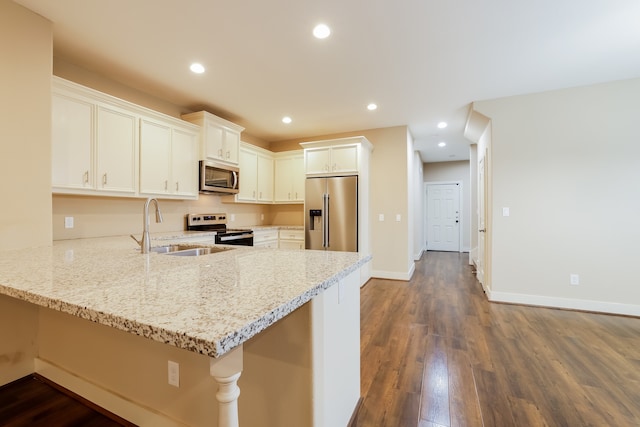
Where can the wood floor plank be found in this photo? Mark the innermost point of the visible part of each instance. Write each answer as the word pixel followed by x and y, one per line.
pixel 434 405
pixel 463 398
pixel 507 365
pixel 30 402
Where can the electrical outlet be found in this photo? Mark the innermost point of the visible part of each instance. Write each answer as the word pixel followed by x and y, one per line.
pixel 232 217
pixel 398 218
pixel 68 222
pixel 174 373
pixel 380 217
pixel 574 279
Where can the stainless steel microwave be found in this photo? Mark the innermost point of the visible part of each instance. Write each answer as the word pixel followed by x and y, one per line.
pixel 218 178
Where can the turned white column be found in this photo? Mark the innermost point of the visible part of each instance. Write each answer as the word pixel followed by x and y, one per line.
pixel 226 371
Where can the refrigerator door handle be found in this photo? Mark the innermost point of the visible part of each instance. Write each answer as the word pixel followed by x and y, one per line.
pixel 325 221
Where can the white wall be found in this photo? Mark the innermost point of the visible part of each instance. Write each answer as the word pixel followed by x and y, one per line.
pixel 458 171
pixel 567 164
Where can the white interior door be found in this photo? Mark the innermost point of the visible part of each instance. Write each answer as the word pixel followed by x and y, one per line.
pixel 443 217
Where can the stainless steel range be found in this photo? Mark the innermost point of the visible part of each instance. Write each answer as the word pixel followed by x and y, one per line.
pixel 218 222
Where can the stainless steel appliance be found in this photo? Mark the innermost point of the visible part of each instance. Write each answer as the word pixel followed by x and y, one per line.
pixel 218 178
pixel 218 222
pixel 331 213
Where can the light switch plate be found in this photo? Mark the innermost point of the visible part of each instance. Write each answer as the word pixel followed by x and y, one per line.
pixel 381 217
pixel 68 222
pixel 505 211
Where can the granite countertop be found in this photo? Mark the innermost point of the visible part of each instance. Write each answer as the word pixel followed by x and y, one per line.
pixel 268 227
pixel 207 304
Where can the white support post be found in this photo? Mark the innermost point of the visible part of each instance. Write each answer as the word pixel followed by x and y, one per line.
pixel 226 371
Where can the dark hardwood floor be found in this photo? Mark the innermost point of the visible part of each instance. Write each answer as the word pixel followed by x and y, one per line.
pixel 31 402
pixel 436 353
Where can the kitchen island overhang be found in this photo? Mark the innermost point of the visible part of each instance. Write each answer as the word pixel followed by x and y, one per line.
pixel 207 305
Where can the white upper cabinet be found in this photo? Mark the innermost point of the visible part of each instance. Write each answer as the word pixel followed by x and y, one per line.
pixel 248 175
pixel 256 175
pixel 331 160
pixel 155 157
pixel 219 138
pixel 184 161
pixel 72 137
pixel 289 177
pixel 103 145
pixel 168 158
pixel 94 142
pixel 116 149
pixel 265 178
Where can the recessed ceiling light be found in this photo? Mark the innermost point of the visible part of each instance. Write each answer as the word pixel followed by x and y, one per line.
pixel 372 107
pixel 321 31
pixel 442 144
pixel 286 119
pixel 442 125
pixel 197 68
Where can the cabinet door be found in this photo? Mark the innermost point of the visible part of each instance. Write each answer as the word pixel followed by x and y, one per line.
pixel 291 244
pixel 317 160
pixel 155 157
pixel 297 178
pixel 213 143
pixel 72 141
pixel 282 184
pixel 184 163
pixel 116 150
pixel 344 159
pixel 231 145
pixel 265 178
pixel 248 175
pixel 289 179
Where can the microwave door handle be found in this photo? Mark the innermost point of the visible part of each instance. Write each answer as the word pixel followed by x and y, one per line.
pixel 235 180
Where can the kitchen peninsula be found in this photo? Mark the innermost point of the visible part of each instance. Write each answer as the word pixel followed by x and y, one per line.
pixel 108 319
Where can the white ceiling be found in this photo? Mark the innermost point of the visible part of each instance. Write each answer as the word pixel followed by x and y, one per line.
pixel 421 61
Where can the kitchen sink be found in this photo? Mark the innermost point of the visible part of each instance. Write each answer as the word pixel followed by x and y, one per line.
pixel 187 250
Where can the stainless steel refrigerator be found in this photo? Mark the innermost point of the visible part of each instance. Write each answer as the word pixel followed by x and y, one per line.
pixel 331 213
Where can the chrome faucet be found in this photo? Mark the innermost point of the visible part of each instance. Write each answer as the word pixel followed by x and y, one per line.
pixel 145 242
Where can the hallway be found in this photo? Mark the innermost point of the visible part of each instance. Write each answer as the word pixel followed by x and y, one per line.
pixel 436 353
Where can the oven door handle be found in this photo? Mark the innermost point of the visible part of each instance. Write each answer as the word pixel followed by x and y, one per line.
pixel 236 237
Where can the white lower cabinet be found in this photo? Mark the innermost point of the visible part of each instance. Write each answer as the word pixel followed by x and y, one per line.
pixel 291 239
pixel 267 238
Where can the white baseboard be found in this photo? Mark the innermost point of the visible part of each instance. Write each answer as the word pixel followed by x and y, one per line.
pixel 417 256
pixel 567 303
pixel 104 398
pixel 394 275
